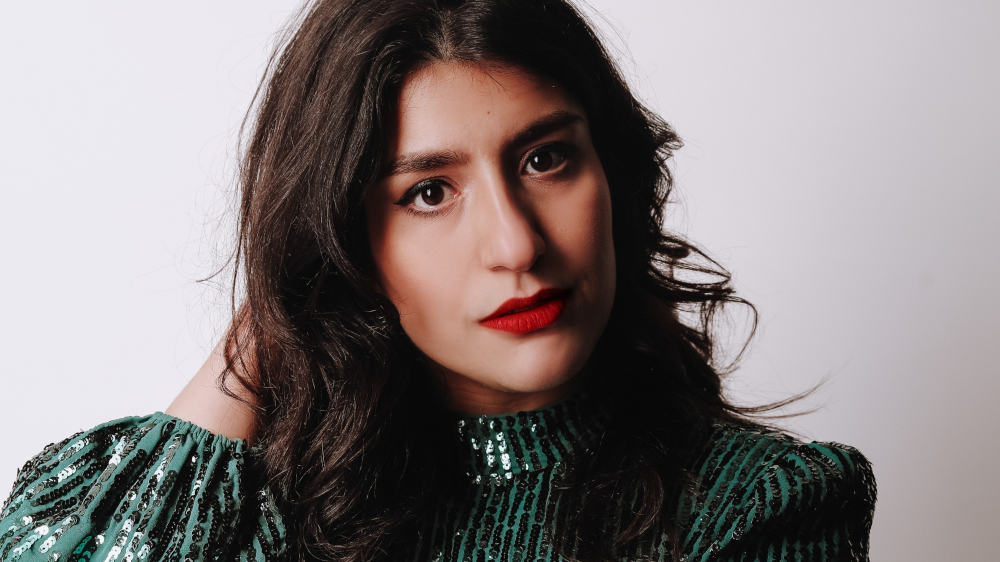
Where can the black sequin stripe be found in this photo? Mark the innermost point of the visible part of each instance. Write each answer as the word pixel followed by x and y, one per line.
pixel 272 525
pixel 525 506
pixel 725 449
pixel 535 536
pixel 508 517
pixel 517 452
pixel 62 490
pixel 265 551
pixel 499 503
pixel 554 423
pixel 30 471
pixel 219 514
pixel 179 483
pixel 112 485
pixel 718 470
pixel 577 437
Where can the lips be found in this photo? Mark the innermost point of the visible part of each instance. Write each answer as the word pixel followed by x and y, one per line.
pixel 524 315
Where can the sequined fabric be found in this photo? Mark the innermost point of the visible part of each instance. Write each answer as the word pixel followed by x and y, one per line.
pixel 513 462
pixel 767 497
pixel 758 496
pixel 157 488
pixel 147 488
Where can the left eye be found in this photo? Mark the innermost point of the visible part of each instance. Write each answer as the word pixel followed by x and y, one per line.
pixel 543 161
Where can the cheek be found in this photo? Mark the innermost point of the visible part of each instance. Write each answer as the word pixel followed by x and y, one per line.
pixel 588 248
pixel 416 273
pixel 603 244
pixel 584 229
pixel 402 267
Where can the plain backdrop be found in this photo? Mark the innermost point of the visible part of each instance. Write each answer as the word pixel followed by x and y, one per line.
pixel 840 159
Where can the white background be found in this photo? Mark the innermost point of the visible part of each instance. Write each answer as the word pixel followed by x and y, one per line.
pixel 840 160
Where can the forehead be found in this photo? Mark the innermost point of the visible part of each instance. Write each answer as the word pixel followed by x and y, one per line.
pixel 459 103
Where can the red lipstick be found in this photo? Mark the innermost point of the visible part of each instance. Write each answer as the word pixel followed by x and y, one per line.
pixel 523 315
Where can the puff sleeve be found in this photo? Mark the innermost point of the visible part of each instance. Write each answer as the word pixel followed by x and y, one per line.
pixel 141 488
pixel 769 498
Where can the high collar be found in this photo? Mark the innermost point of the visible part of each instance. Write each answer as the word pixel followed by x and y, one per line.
pixel 499 447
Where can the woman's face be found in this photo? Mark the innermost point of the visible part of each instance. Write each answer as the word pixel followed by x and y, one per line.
pixel 491 232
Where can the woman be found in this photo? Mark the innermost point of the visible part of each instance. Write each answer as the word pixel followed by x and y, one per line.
pixel 462 333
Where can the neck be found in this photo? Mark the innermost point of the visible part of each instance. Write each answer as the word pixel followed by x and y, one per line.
pixel 466 396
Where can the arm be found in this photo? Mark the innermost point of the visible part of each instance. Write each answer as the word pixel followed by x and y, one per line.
pixel 141 488
pixel 153 487
pixel 203 403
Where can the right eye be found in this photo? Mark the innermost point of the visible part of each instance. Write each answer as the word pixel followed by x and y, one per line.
pixel 427 195
pixel 430 196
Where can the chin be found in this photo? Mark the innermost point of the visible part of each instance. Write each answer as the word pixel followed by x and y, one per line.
pixel 541 369
pixel 530 383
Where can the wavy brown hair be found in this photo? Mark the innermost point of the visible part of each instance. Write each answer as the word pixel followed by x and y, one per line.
pixel 352 427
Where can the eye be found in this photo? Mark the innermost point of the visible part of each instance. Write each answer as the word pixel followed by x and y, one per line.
pixel 547 158
pixel 427 195
pixel 430 195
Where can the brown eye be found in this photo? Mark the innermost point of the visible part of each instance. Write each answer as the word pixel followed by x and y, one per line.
pixel 541 161
pixel 432 195
pixel 428 196
pixel 544 160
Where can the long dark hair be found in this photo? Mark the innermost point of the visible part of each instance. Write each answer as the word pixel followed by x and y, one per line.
pixel 352 430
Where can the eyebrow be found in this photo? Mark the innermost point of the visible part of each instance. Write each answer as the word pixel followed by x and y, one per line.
pixel 544 126
pixel 434 159
pixel 424 161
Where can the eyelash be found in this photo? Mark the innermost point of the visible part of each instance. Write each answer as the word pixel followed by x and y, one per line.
pixel 412 193
pixel 566 151
pixel 424 214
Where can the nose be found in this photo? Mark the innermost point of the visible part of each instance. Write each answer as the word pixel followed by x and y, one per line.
pixel 511 237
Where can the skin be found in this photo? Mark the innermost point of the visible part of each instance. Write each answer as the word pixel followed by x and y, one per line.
pixel 203 404
pixel 524 206
pixel 521 204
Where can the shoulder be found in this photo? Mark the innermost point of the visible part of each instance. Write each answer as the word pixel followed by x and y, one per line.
pixel 766 496
pixel 148 487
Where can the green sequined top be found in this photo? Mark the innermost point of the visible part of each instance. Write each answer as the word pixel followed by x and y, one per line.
pixel 158 488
